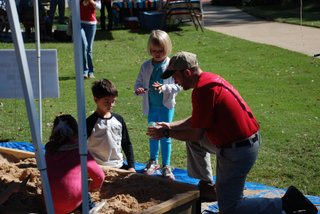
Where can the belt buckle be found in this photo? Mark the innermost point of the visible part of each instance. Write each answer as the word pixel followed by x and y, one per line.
pixel 255 138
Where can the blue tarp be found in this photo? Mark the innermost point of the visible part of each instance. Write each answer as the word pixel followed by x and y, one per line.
pixel 251 189
pixel 25 146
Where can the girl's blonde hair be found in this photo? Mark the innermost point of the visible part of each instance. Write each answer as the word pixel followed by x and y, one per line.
pixel 159 38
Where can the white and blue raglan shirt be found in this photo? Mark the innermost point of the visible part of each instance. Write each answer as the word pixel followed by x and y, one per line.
pixel 107 138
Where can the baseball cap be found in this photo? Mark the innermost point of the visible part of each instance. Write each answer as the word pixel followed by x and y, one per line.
pixel 181 61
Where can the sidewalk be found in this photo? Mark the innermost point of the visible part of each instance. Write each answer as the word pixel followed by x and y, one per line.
pixel 234 22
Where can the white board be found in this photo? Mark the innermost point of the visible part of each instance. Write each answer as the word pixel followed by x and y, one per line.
pixel 10 81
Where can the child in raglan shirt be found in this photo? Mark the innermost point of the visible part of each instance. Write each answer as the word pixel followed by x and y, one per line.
pixel 107 132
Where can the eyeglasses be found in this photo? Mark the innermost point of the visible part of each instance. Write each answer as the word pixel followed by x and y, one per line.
pixel 157 51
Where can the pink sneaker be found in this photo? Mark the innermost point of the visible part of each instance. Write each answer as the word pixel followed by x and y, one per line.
pixel 151 167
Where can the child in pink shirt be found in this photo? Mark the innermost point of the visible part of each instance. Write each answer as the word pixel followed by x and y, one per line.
pixel 64 168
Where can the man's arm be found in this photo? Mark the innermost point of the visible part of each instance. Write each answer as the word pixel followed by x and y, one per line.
pixel 180 124
pixel 180 130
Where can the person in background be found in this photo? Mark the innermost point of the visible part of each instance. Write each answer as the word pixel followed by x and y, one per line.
pixel 223 124
pixel 158 97
pixel 61 10
pixel 107 132
pixel 64 167
pixel 106 4
pixel 88 32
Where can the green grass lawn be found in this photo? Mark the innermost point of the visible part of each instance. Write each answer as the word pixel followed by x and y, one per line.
pixel 281 87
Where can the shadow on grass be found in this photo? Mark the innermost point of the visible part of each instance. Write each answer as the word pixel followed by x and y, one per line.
pixel 107 35
pixel 66 78
pixel 100 35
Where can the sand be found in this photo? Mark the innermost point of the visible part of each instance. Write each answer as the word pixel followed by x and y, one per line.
pixel 123 192
pixel 14 170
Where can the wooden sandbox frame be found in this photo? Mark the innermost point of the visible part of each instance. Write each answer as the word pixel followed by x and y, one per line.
pixel 186 202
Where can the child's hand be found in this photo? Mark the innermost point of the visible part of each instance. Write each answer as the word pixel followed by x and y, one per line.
pixel 141 91
pixel 131 170
pixel 157 86
pixel 86 2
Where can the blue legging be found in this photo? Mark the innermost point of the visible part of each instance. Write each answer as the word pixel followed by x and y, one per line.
pixel 161 115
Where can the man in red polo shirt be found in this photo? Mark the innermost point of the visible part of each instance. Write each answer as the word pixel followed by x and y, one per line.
pixel 223 124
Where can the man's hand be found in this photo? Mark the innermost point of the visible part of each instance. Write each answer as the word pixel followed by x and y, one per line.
pixel 156 132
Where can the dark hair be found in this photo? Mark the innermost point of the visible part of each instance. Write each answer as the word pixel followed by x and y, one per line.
pixel 64 128
pixel 103 88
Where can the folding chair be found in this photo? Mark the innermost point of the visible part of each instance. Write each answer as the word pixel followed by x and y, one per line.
pixel 184 11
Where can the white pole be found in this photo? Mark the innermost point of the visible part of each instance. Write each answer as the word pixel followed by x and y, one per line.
pixel 37 37
pixel 77 42
pixel 29 99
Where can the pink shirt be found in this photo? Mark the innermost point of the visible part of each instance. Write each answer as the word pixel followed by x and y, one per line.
pixel 64 173
pixel 220 110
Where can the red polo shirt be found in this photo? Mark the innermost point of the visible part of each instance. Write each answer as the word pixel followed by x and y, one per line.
pixel 220 110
